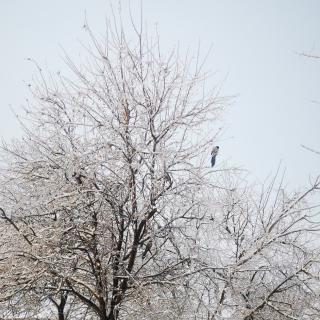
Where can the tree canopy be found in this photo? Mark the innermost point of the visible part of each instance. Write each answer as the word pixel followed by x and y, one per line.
pixel 110 208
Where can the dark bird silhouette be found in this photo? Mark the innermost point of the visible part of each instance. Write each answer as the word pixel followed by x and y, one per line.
pixel 214 153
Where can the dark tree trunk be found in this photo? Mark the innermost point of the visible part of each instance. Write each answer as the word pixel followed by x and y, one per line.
pixel 113 315
pixel 61 314
pixel 60 306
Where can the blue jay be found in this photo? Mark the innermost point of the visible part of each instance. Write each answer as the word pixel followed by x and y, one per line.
pixel 214 153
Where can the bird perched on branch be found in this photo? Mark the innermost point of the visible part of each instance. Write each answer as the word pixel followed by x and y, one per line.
pixel 214 153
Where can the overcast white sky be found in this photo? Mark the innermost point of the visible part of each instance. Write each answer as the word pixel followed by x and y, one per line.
pixel 255 45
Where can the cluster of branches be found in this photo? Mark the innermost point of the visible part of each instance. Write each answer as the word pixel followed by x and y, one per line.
pixel 262 254
pixel 109 209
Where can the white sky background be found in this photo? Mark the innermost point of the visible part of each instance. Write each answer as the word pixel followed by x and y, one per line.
pixel 255 45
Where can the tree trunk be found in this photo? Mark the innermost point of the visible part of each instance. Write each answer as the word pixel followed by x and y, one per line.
pixel 60 314
pixel 113 315
pixel 63 301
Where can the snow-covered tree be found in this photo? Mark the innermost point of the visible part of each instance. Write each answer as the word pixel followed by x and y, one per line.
pixel 110 209
pixel 100 195
pixel 261 254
